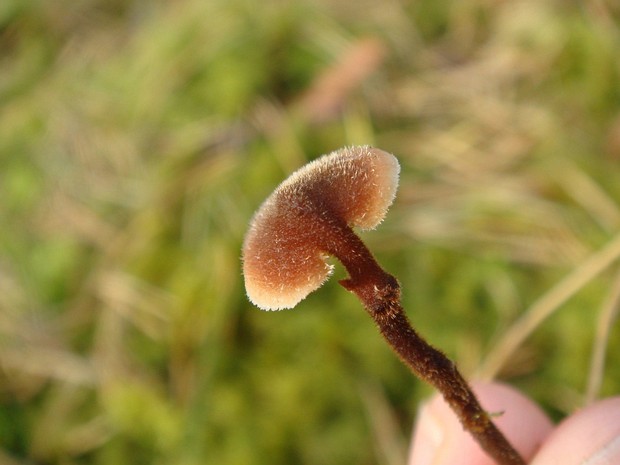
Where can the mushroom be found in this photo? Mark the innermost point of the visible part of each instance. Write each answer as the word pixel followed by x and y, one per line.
pixel 309 217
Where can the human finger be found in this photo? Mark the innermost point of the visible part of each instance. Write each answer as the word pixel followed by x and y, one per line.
pixel 590 436
pixel 439 438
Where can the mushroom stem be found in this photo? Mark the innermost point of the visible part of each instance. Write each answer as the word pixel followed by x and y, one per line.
pixel 379 292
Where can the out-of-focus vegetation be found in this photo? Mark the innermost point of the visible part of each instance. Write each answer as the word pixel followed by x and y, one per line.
pixel 138 137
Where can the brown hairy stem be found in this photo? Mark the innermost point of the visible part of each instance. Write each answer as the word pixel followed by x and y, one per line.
pixel 379 292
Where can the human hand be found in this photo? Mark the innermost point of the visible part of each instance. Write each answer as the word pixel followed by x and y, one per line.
pixel 591 436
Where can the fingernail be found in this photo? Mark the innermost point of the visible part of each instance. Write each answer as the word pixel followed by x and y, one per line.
pixel 606 455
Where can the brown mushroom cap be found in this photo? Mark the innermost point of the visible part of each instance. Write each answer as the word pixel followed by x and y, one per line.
pixel 292 233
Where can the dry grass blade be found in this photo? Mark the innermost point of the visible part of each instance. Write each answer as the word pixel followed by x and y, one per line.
pixel 388 439
pixel 546 305
pixel 53 364
pixel 328 93
pixel 606 318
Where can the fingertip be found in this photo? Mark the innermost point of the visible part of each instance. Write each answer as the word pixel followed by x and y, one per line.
pixel 439 438
pixel 590 436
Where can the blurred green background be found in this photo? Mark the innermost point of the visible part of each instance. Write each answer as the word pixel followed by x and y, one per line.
pixel 138 137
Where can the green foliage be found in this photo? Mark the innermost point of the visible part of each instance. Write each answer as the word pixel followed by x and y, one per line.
pixel 136 140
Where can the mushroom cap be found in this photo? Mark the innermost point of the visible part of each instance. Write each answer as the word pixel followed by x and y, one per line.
pixel 291 234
